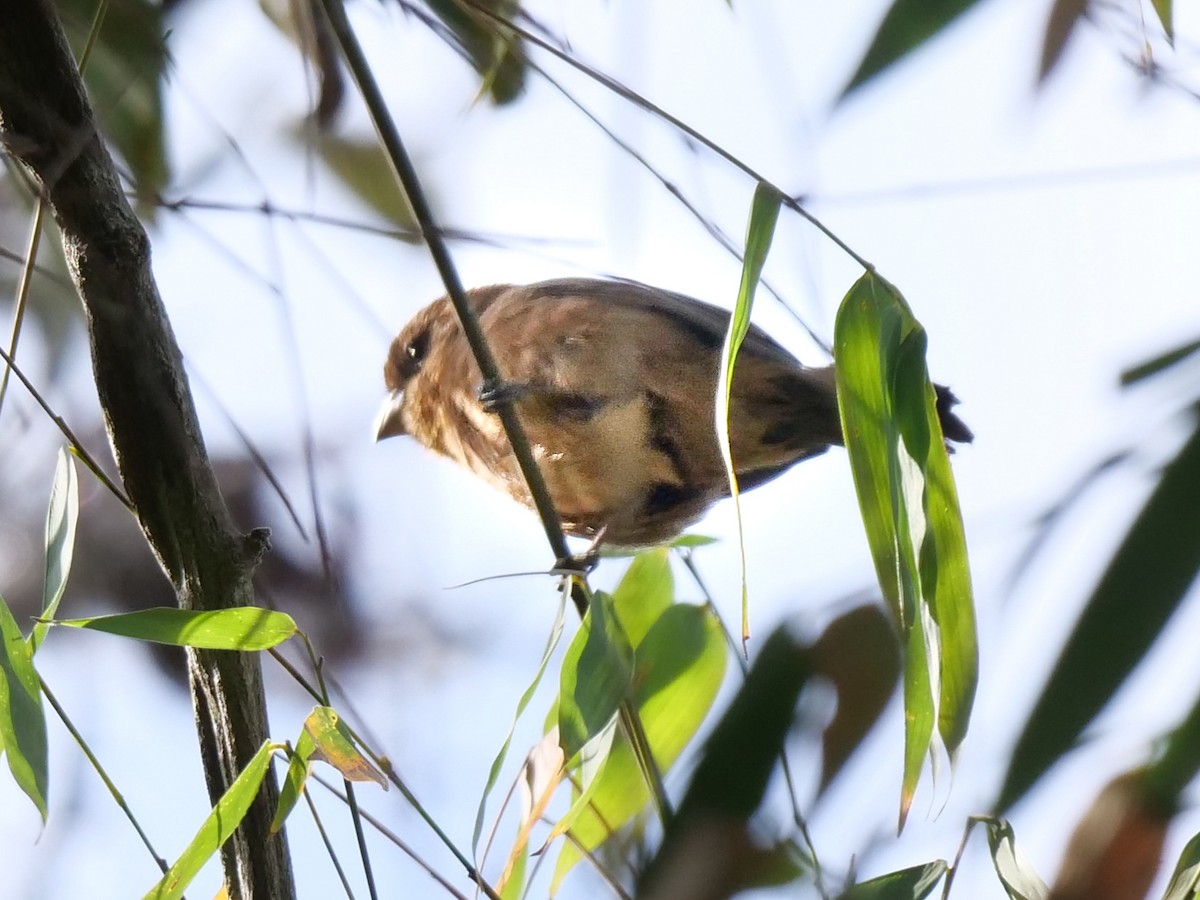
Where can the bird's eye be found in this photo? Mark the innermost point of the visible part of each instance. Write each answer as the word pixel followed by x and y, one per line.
pixel 415 352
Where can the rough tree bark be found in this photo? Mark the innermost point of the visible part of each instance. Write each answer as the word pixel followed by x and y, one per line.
pixel 46 122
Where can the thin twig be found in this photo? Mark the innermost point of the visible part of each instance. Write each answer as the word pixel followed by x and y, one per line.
pixel 409 851
pixel 118 798
pixel 333 857
pixel 638 100
pixel 76 445
pixel 398 155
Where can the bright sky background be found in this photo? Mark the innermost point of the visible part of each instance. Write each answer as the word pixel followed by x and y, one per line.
pixel 1045 239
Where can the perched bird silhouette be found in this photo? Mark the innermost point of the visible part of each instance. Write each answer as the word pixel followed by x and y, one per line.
pixel 615 385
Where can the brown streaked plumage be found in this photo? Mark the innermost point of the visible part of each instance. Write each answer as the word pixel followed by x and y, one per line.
pixel 614 383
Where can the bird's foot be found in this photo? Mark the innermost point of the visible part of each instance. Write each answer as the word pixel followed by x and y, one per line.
pixel 495 393
pixel 582 564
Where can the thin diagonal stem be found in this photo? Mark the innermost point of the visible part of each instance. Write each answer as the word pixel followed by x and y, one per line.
pixel 432 234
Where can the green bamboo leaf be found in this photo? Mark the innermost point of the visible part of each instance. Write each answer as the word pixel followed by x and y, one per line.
pixel 910 511
pixel 1152 570
pixel 61 520
pixel 744 747
pixel 299 766
pixel 1166 15
pixel 1159 363
pixel 217 828
pixel 239 628
pixel 907 884
pixel 596 673
pixel 22 720
pixel 764 213
pixel 907 25
pixel 919 715
pixel 646 591
pixel 679 667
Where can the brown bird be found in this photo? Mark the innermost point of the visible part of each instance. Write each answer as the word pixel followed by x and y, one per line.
pixel 614 383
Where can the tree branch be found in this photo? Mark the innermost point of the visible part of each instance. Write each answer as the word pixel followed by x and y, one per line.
pixel 46 121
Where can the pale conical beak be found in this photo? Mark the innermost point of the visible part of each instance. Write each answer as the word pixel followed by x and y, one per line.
pixel 389 422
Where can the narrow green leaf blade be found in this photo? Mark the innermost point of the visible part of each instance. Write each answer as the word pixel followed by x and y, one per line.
pixel 1143 585
pixel 764 213
pixel 907 25
pixel 62 517
pixel 239 628
pixel 22 719
pixel 743 749
pixel 919 718
pixel 299 766
pixel 907 884
pixel 217 828
pixel 943 574
pixel 1166 15
pixel 1159 363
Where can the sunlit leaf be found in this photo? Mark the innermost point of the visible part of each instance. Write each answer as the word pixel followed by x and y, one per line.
pixel 596 673
pixel 22 720
pixel 907 25
pixel 688 541
pixel 646 591
pixel 1150 572
pixel 61 520
pixel 679 666
pixel 764 213
pixel 239 628
pixel 910 511
pixel 217 828
pixel 907 884
pixel 297 776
